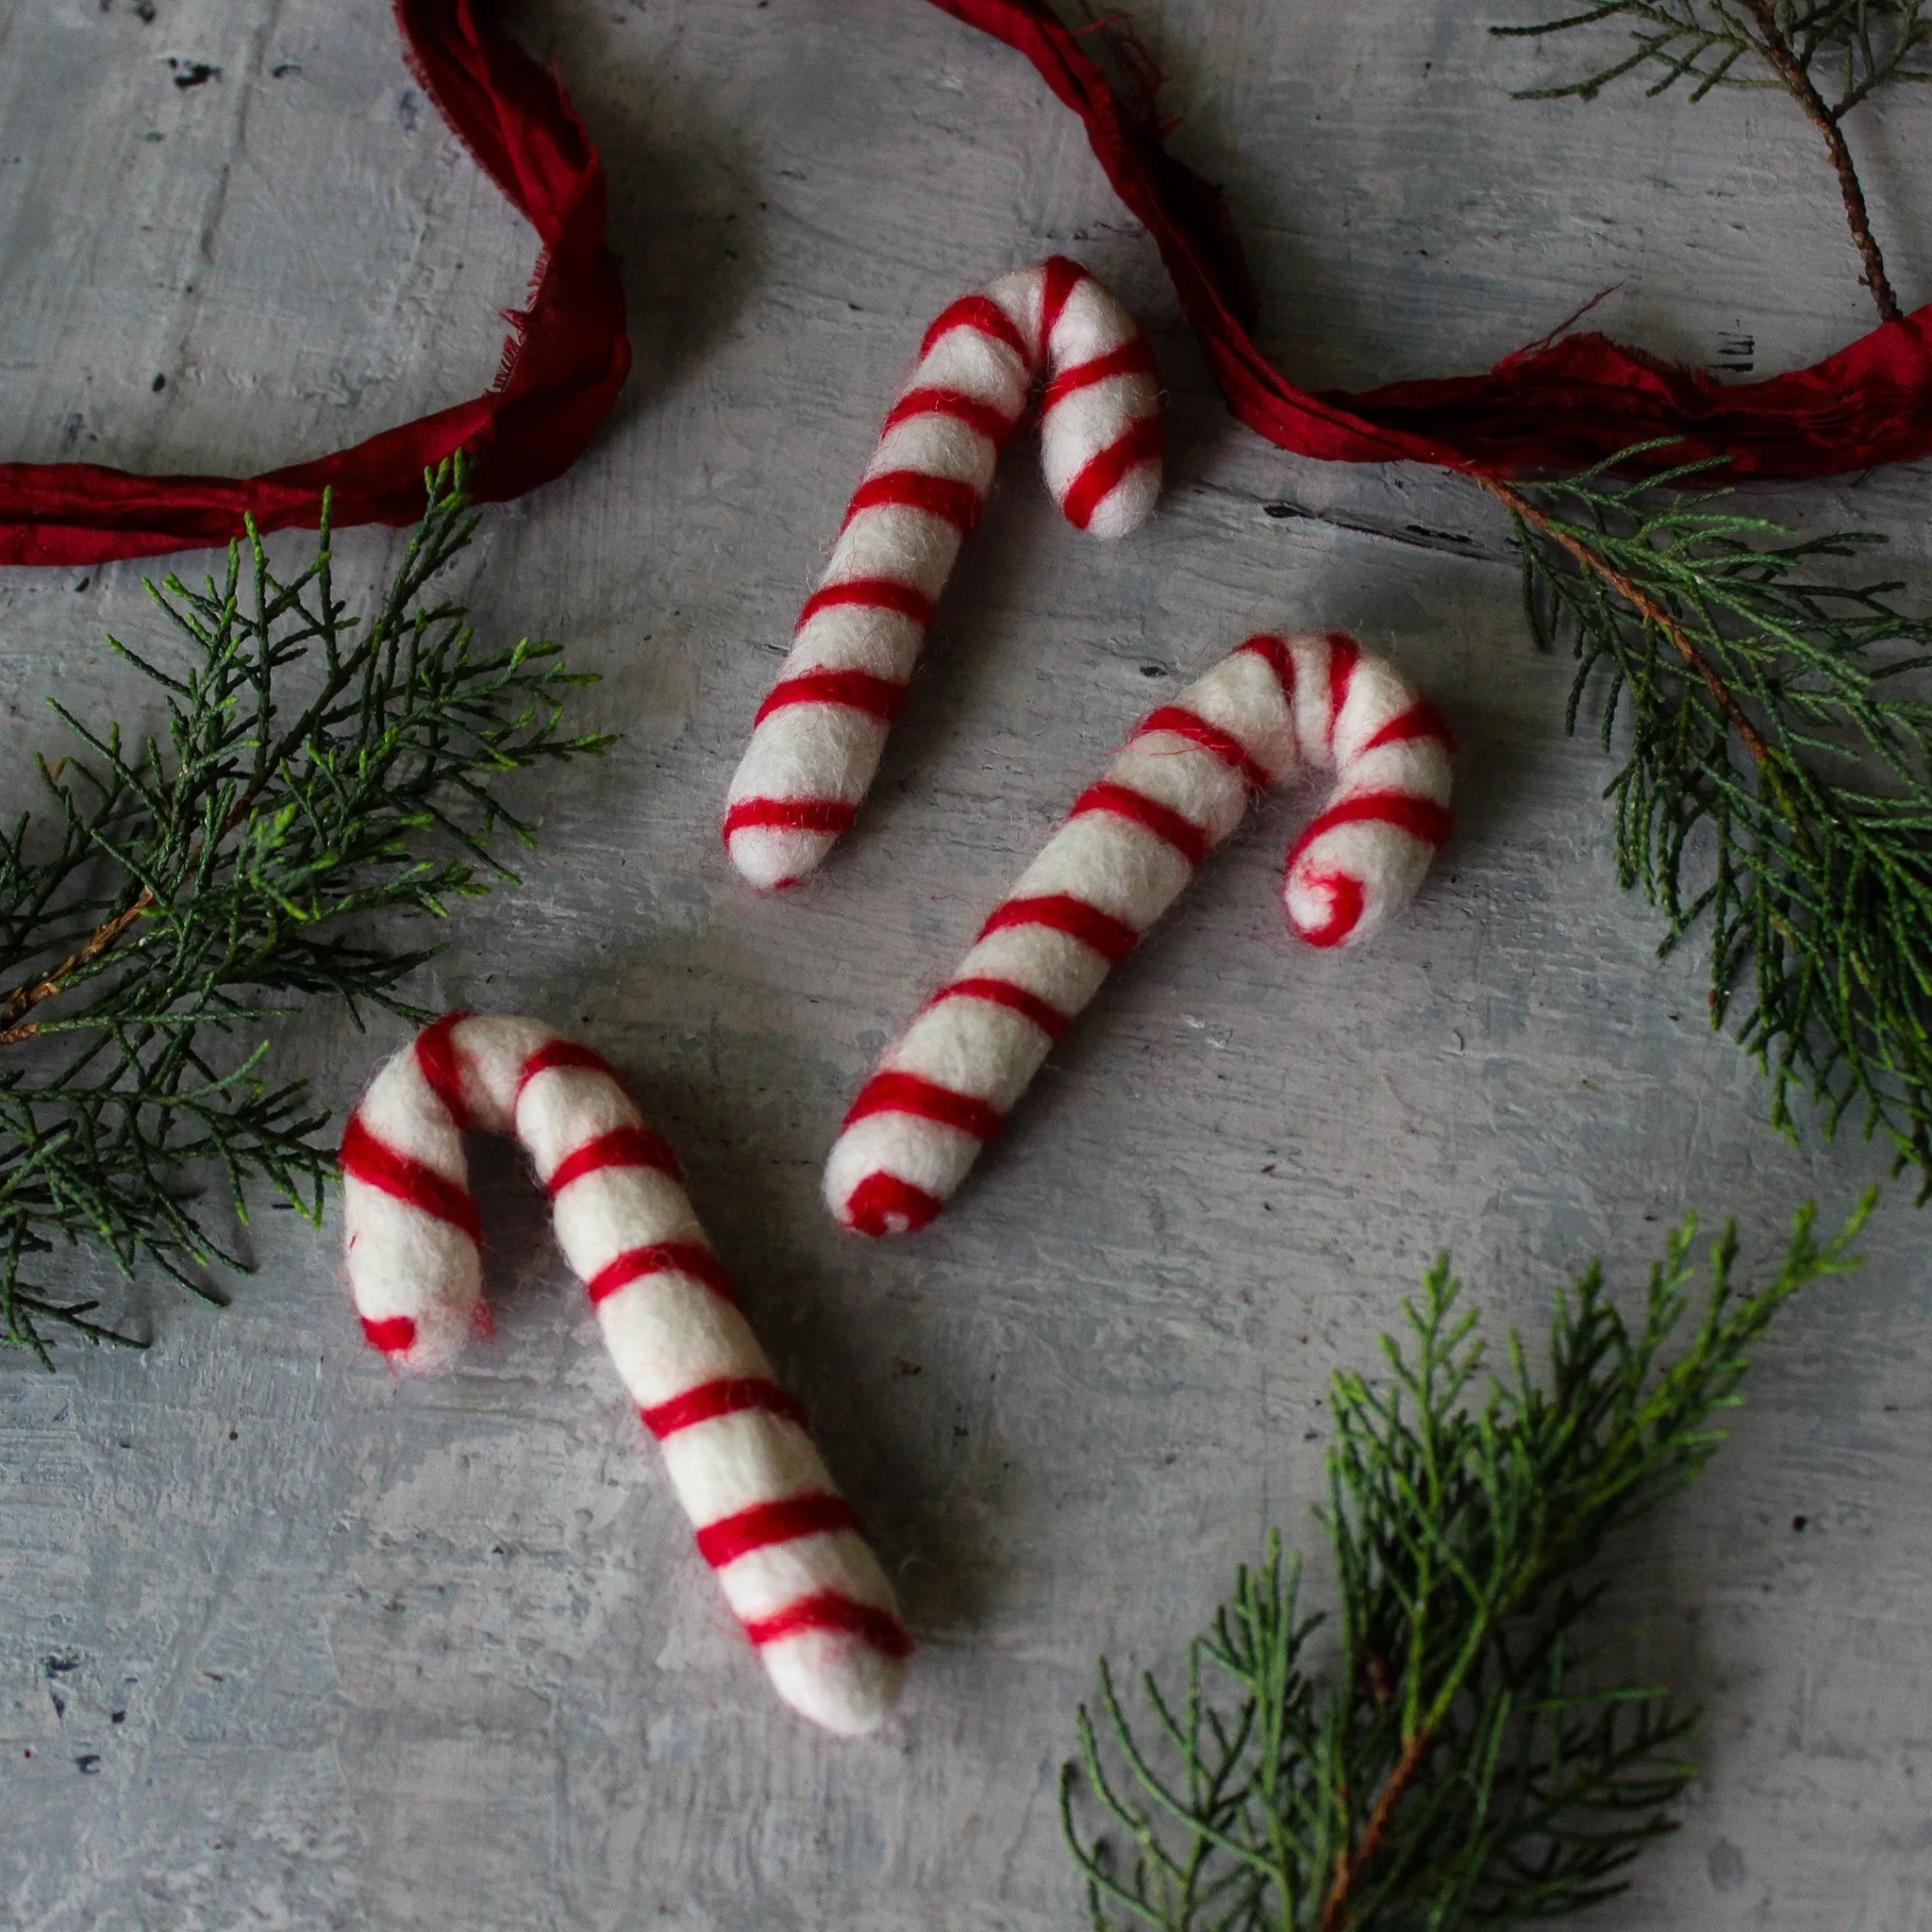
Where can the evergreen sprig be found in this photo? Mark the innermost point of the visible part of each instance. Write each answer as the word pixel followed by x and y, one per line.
pixel 1830 55
pixel 1858 45
pixel 316 773
pixel 1776 774
pixel 1471 1758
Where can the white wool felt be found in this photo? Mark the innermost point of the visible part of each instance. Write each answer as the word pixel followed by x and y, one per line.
pixel 608 1214
pixel 940 446
pixel 1115 866
pixel 973 1047
pixel 804 1668
pixel 925 1160
pixel 911 546
pixel 1272 709
pixel 818 739
pixel 664 1342
pixel 408 1267
pixel 850 638
pixel 1062 971
pixel 786 1546
pixel 762 1583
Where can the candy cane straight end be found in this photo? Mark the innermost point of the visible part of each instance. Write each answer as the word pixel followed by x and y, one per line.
pixel 772 857
pixel 843 1683
pixel 880 1203
pixel 819 734
pixel 1271 709
pixel 784 1544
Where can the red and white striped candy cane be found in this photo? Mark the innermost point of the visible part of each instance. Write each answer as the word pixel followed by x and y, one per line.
pixel 1269 710
pixel 785 1545
pixel 818 736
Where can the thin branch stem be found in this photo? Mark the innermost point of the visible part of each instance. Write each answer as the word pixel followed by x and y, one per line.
pixel 1796 76
pixel 29 993
pixel 1648 608
pixel 1350 1865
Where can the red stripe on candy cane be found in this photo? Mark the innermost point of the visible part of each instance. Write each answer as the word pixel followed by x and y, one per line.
pixel 377 1165
pixel 1061 912
pixel 1420 818
pixel 830 1611
pixel 858 691
pixel 395 1336
pixel 943 497
pixel 621 1147
pixel 911 1094
pixel 1274 653
pixel 1346 900
pixel 869 594
pixel 726 1395
pixel 1142 442
pixel 690 1259
pixel 681 1344
pixel 982 315
pixel 1060 275
pixel 1232 753
pixel 913 1135
pixel 557 1054
pixel 884 1204
pixel 1100 445
pixel 1003 992
pixel 1419 721
pixel 1167 825
pixel 990 422
pixel 790 815
pixel 436 1059
pixel 765 1525
pixel 1131 359
pixel 1345 654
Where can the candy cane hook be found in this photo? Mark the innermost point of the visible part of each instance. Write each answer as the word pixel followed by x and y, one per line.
pixel 785 1545
pixel 818 736
pixel 1269 710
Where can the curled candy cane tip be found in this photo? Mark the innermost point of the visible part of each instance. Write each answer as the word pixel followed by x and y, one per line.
pixel 1340 899
pixel 785 1546
pixel 1272 708
pixel 816 742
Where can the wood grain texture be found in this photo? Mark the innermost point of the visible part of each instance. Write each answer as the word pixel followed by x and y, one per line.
pixel 289 1643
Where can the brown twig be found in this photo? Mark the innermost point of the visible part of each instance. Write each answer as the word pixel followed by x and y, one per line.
pixel 26 997
pixel 1798 82
pixel 1351 1864
pixel 1647 607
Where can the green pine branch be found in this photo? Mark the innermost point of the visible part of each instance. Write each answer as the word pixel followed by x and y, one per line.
pixel 1471 1757
pixel 180 889
pixel 1776 783
pixel 1829 56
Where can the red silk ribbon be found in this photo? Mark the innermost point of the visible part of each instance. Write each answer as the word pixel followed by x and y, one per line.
pixel 563 364
pixel 1551 407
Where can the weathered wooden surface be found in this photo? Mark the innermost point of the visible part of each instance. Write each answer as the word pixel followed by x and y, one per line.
pixel 286 1644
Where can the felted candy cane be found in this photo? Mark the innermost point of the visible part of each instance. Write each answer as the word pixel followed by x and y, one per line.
pixel 785 1545
pixel 818 736
pixel 1269 710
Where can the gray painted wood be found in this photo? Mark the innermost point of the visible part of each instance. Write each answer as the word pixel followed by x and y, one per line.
pixel 286 1644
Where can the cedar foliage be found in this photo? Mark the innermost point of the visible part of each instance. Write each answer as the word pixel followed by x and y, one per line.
pixel 179 890
pixel 1776 777
pixel 1852 46
pixel 1471 1757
